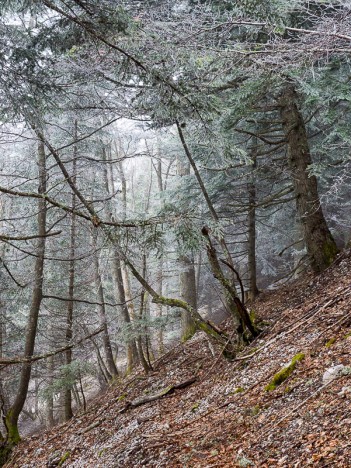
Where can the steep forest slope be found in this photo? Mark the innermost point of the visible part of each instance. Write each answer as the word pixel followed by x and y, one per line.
pixel 228 416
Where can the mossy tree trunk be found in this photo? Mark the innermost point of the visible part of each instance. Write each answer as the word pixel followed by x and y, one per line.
pixel 321 247
pixel 230 291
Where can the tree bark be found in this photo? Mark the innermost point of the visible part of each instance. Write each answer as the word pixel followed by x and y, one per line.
pixel 321 247
pixel 187 278
pixel 159 307
pixel 131 349
pixel 251 221
pixel 50 400
pixel 103 318
pixel 68 413
pixel 13 413
pixel 187 283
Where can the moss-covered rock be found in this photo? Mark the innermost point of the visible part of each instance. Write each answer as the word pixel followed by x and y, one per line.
pixel 284 373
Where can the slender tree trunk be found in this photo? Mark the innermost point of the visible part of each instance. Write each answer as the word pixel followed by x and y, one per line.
pixel 50 420
pixel 144 362
pixel 68 413
pixel 159 307
pixel 321 247
pixel 103 318
pixel 76 397
pixel 200 323
pixel 131 349
pixel 230 297
pixel 251 221
pixel 102 367
pixel 13 413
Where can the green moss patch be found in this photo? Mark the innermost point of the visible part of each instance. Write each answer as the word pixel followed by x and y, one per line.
pixel 239 390
pixel 64 457
pixel 330 342
pixel 284 373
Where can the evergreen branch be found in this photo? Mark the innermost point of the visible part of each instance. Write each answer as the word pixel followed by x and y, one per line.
pixel 313 32
pixel 260 137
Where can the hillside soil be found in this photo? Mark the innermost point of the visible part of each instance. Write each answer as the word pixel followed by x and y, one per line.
pixel 226 417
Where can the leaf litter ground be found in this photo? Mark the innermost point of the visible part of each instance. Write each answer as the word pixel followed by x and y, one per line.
pixel 226 418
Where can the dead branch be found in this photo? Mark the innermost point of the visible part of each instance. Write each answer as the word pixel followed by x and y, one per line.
pixel 38 357
pixel 156 396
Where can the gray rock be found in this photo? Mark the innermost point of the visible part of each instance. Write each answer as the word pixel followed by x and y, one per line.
pixel 345 391
pixel 335 372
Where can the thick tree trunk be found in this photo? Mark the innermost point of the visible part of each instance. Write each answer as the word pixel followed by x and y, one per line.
pixel 187 278
pixel 13 413
pixel 321 247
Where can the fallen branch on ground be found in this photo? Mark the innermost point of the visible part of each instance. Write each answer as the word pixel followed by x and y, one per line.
pixel 166 391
